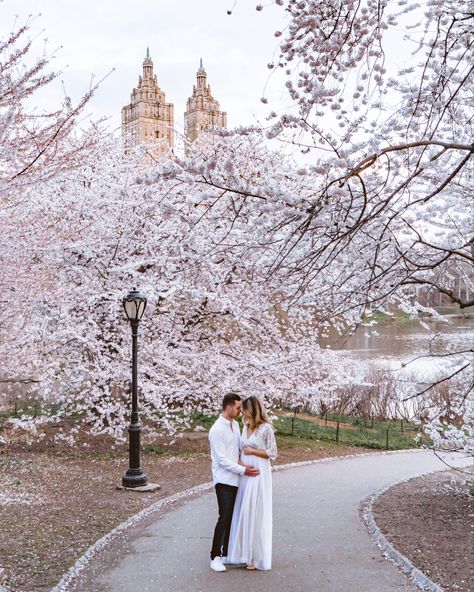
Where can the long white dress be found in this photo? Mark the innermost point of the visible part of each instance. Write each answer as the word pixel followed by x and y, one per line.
pixel 251 531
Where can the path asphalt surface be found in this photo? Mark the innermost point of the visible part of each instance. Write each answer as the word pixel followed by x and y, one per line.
pixel 320 543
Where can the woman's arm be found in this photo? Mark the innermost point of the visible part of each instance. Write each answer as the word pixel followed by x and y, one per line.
pixel 255 452
pixel 270 442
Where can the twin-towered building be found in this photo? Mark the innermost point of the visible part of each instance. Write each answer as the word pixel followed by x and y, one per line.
pixel 150 119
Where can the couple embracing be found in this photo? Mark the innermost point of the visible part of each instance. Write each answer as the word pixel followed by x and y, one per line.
pixel 242 478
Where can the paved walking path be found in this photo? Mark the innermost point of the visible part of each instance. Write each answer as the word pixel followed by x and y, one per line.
pixel 320 542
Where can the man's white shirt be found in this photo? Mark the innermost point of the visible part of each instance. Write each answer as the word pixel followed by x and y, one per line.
pixel 224 437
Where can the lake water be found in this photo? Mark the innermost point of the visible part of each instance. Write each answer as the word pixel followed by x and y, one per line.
pixel 393 344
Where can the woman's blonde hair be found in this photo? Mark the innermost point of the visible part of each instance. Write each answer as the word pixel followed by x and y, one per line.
pixel 256 411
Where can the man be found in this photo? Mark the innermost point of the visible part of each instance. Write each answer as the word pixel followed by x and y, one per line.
pixel 224 437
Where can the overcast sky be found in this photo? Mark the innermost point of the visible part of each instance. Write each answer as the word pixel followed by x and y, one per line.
pixel 96 36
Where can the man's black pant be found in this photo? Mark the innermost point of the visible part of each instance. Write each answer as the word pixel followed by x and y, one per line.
pixel 226 495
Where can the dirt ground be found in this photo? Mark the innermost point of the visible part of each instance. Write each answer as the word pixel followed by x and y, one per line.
pixel 431 521
pixel 55 504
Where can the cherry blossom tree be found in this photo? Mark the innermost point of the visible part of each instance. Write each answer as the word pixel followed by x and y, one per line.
pixel 37 145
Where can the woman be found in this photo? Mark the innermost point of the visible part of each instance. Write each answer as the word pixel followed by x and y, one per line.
pixel 251 531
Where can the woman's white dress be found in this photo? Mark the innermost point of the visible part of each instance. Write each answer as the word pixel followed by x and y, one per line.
pixel 251 531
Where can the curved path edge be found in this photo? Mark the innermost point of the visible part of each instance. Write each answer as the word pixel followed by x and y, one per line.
pixel 168 502
pixel 386 547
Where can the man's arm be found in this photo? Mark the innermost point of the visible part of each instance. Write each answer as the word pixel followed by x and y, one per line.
pixel 218 448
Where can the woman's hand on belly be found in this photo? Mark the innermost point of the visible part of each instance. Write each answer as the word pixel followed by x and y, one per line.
pixel 247 450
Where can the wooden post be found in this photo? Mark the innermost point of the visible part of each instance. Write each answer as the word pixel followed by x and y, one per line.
pixel 401 424
pixel 386 441
pixel 326 420
pixel 337 432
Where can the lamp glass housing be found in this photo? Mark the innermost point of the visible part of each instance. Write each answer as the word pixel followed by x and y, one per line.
pixel 134 304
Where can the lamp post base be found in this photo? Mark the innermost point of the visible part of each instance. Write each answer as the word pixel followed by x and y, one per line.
pixel 149 487
pixel 134 478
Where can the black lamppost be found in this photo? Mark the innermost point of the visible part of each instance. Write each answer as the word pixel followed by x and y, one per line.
pixel 134 304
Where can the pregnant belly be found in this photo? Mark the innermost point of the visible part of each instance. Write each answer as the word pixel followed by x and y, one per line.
pixel 255 461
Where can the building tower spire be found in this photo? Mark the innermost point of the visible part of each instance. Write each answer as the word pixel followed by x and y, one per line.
pixel 147 65
pixel 201 76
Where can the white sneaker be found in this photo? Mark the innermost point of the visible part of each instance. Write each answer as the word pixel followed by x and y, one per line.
pixel 217 565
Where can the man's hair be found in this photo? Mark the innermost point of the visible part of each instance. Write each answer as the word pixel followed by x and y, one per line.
pixel 230 399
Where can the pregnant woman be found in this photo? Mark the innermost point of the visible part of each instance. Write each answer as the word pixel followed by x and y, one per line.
pixel 251 531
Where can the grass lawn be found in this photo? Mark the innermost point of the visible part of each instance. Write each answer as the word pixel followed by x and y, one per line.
pixel 351 431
